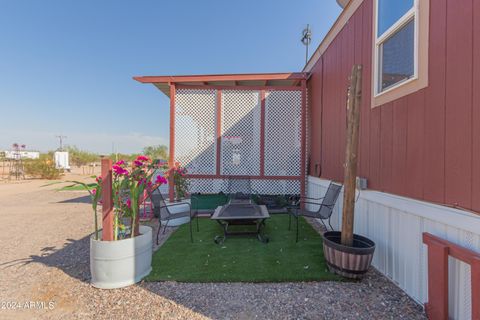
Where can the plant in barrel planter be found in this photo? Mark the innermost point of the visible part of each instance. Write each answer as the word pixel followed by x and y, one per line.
pixel 123 255
pixel 346 253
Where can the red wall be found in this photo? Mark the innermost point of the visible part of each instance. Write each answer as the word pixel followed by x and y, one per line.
pixel 425 145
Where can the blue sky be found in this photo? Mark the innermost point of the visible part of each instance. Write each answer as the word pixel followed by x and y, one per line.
pixel 66 66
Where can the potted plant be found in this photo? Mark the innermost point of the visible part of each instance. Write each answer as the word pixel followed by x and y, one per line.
pixel 346 253
pixel 126 259
pixel 179 181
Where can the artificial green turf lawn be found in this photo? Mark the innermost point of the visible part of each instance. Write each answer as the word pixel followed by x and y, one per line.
pixel 242 258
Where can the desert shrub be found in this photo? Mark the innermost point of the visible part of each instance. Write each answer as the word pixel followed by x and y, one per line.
pixel 80 157
pixel 43 168
pixel 123 156
pixel 159 152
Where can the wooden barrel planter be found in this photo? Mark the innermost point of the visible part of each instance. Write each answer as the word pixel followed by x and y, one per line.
pixel 350 262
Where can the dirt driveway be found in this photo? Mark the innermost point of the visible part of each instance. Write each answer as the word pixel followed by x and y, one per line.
pixel 44 273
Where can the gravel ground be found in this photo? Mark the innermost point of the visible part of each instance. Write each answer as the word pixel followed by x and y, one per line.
pixel 44 259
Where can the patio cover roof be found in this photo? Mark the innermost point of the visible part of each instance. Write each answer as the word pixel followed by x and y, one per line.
pixel 226 80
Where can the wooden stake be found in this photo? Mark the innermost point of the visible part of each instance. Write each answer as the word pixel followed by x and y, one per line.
pixel 107 200
pixel 351 154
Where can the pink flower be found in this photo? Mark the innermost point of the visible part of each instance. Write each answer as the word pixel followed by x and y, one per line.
pixel 149 184
pixel 119 170
pixel 137 163
pixel 98 179
pixel 161 180
pixel 143 158
pixel 129 203
pixel 94 191
pixel 120 163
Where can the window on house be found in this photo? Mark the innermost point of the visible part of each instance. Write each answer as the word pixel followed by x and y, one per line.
pixel 395 43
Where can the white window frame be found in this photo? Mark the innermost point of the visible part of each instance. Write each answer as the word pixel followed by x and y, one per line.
pixel 413 13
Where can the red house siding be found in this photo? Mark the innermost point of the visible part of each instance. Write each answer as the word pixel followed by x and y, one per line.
pixel 315 104
pixel 476 108
pixel 425 145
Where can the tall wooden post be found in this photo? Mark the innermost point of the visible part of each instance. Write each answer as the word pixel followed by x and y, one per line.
pixel 171 159
pixel 303 187
pixel 351 154
pixel 107 200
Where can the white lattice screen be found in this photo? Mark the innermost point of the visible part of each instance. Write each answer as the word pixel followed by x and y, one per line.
pixel 241 119
pixel 240 152
pixel 283 125
pixel 195 130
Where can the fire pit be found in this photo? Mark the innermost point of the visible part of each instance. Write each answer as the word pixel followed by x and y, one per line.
pixel 241 214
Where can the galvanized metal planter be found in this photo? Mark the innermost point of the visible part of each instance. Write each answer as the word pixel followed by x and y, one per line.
pixel 350 262
pixel 117 264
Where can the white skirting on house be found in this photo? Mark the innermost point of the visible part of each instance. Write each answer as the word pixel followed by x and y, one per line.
pixel 396 225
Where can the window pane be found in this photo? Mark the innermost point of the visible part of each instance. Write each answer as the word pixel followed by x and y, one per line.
pixel 390 11
pixel 397 57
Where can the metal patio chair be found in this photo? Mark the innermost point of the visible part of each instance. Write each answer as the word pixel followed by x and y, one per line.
pixel 325 208
pixel 162 210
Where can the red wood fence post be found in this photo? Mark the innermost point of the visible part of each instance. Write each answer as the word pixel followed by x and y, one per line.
pixel 304 141
pixel 171 161
pixel 437 306
pixel 107 200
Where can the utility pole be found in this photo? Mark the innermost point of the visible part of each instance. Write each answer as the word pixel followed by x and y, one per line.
pixel 60 138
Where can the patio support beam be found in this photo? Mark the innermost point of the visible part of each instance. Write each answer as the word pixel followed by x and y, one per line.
pixel 303 139
pixel 244 87
pixel 219 131
pixel 224 77
pixel 171 161
pixel 107 200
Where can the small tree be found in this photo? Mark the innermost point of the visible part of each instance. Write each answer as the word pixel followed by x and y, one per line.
pixel 156 152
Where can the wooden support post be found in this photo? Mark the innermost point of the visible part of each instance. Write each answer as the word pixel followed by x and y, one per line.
pixel 262 133
pixel 171 160
pixel 437 306
pixel 219 133
pixel 107 201
pixel 351 154
pixel 475 272
pixel 303 182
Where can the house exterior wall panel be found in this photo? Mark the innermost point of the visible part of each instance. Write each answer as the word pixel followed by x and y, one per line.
pixel 476 108
pixel 386 147
pixel 458 151
pixel 415 145
pixel 399 147
pixel 435 106
pixel 423 145
pixel 364 144
pixel 315 108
